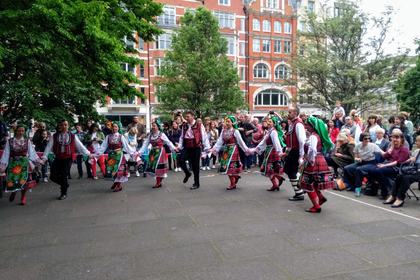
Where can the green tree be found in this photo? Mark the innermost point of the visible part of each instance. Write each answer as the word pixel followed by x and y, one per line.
pixel 408 89
pixel 338 59
pixel 58 58
pixel 196 74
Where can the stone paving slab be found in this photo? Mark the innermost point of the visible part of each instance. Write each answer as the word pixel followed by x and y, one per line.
pixel 209 233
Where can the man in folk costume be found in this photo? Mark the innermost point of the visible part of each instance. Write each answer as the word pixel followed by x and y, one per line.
pixel 193 138
pixel 295 141
pixel 63 145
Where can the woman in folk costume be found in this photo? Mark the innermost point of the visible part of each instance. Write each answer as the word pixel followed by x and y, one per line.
pixel 157 163
pixel 15 161
pixel 230 162
pixel 316 175
pixel 115 165
pixel 272 147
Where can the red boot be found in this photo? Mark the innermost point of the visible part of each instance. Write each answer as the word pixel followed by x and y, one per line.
pixel 232 183
pixel 158 182
pixel 321 197
pixel 275 187
pixel 315 201
pixel 118 188
pixel 113 186
pixel 281 179
pixel 22 198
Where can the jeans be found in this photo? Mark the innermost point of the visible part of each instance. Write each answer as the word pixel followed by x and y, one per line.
pixel 381 175
pixel 44 171
pixel 332 163
pixel 245 160
pixel 205 162
pixel 354 173
pixel 254 156
pixel 79 160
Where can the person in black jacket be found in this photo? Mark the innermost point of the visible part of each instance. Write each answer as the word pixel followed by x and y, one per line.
pixel 40 146
pixel 246 129
pixel 173 135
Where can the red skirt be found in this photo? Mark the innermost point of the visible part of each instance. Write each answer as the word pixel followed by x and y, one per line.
pixel 273 164
pixel 317 177
pixel 235 165
pixel 122 169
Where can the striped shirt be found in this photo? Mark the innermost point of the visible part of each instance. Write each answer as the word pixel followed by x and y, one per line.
pixel 366 153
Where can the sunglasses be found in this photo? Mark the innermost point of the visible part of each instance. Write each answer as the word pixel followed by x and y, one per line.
pixel 366 138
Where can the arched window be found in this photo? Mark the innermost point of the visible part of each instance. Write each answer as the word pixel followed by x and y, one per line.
pixel 271 97
pixel 266 25
pixel 277 26
pixel 261 71
pixel 281 72
pixel 255 24
pixel 287 27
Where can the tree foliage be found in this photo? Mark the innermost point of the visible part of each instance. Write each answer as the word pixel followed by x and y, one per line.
pixel 59 57
pixel 408 89
pixel 337 59
pixel 196 73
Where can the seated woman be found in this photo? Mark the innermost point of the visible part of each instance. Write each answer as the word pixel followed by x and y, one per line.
pixel 344 155
pixel 403 182
pixel 396 154
pixel 364 155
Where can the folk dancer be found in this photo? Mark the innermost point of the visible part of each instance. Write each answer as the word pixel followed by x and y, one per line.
pixel 15 161
pixel 63 145
pixel 193 137
pixel 157 163
pixel 295 141
pixel 272 147
pixel 316 175
pixel 230 162
pixel 116 168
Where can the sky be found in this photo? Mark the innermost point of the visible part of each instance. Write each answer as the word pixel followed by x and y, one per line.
pixel 405 22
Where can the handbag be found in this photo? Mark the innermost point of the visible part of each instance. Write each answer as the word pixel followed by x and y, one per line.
pixel 409 168
pixel 339 185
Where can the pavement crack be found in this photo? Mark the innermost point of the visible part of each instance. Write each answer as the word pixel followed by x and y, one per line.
pixel 217 250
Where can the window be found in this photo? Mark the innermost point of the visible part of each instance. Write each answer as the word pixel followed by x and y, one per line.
pixel 231 45
pixel 128 68
pixel 142 100
pixel 256 45
pixel 163 42
pixel 129 101
pixel 272 4
pixel 302 51
pixel 287 47
pixel 226 20
pixel 168 17
pixel 141 71
pixel 277 26
pixel 300 97
pixel 302 26
pixel 224 2
pixel 281 72
pixel 129 43
pixel 242 24
pixel 266 25
pixel 243 73
pixel 277 46
pixel 266 45
pixel 260 71
pixel 157 66
pixel 311 5
pixel 287 27
pixel 310 27
pixel 141 44
pixel 271 98
pixel 242 49
pixel 255 24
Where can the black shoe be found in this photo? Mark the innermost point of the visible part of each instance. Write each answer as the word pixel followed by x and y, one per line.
pixel 118 190
pixel 194 187
pixel 144 175
pixel 90 176
pixel 313 210
pixel 62 197
pixel 69 177
pixel 281 181
pixel 158 186
pixel 113 186
pixel 297 197
pixel 12 197
pixel 322 201
pixel 186 178
pixel 231 188
pixel 396 206
pixel 273 189
pixel 80 177
pixel 390 202
pixel 237 179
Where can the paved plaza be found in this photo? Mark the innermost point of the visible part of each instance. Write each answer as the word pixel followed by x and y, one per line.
pixel 211 233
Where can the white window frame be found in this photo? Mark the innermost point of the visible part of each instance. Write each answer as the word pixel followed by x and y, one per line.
pixel 142 70
pixel 282 98
pixel 141 44
pixel 302 26
pixel 311 6
pixel 266 46
pixel 287 27
pixel 266 25
pixel 242 73
pixel 165 37
pixel 130 69
pixel 272 4
pixel 287 47
pixel 242 51
pixel 242 24
pixel 277 26
pixel 281 72
pixel 261 68
pixel 277 46
pixel 156 65
pixel 128 101
pixel 254 44
pixel 224 2
pixel 169 15
pixel 128 43
pixel 224 18
pixel 231 45
pixel 256 24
